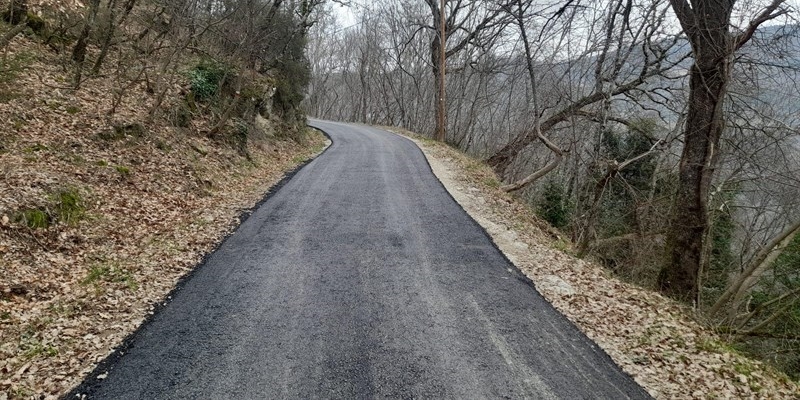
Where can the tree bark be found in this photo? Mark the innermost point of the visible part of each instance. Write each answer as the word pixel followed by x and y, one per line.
pixel 437 68
pixel 706 23
pixel 483 33
pixel 79 51
pixel 707 85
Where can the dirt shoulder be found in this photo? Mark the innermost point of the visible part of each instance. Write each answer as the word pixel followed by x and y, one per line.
pixel 652 338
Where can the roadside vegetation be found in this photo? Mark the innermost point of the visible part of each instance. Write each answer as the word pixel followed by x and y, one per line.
pixel 653 338
pixel 659 138
pixel 135 134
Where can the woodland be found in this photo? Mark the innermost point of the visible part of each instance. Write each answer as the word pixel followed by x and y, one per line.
pixel 661 137
pixel 134 136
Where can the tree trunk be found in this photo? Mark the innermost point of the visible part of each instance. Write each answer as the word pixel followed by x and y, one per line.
pixel 111 29
pixel 17 12
pixel 79 51
pixel 689 225
pixel 713 47
pixel 436 66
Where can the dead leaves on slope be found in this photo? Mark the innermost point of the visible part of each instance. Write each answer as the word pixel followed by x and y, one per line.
pixel 152 206
pixel 652 338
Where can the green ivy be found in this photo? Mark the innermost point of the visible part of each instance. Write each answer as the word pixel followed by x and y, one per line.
pixel 206 79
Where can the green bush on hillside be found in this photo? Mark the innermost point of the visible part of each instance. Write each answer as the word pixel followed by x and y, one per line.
pixel 554 206
pixel 206 79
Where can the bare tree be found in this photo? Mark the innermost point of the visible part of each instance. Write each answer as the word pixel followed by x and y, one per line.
pixel 707 25
pixel 467 23
pixel 609 82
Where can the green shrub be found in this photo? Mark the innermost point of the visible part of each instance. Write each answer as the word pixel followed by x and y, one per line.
pixel 206 79
pixel 293 78
pixel 554 206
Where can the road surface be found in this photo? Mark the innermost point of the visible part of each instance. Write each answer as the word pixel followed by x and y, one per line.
pixel 360 278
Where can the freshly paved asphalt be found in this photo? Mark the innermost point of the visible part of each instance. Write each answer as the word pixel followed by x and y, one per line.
pixel 360 278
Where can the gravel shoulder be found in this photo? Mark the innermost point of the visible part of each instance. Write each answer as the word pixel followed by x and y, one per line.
pixel 652 338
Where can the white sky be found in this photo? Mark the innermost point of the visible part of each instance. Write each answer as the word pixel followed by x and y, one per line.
pixel 346 16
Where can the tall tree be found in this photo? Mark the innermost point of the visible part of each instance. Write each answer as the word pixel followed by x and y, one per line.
pixel 466 23
pixel 707 25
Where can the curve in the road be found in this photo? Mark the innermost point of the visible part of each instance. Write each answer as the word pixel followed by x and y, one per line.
pixel 360 278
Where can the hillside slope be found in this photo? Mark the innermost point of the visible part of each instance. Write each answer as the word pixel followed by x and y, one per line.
pixel 654 339
pixel 101 216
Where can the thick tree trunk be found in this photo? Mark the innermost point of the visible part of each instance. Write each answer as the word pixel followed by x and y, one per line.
pixel 689 226
pixel 707 25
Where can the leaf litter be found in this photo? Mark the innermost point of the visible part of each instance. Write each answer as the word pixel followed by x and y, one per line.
pixel 652 338
pixel 94 229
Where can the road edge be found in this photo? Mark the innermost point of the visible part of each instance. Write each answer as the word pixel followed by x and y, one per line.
pixel 519 274
pixel 106 364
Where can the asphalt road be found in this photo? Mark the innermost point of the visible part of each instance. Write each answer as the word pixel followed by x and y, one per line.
pixel 360 278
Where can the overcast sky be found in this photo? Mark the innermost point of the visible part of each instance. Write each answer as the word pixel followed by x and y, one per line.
pixel 347 15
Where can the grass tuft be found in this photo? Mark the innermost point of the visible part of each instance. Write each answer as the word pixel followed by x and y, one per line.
pixel 34 218
pixel 124 172
pixel 69 205
pixel 105 273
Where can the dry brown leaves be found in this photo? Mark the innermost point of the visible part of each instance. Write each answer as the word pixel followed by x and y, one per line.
pixel 154 205
pixel 651 337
